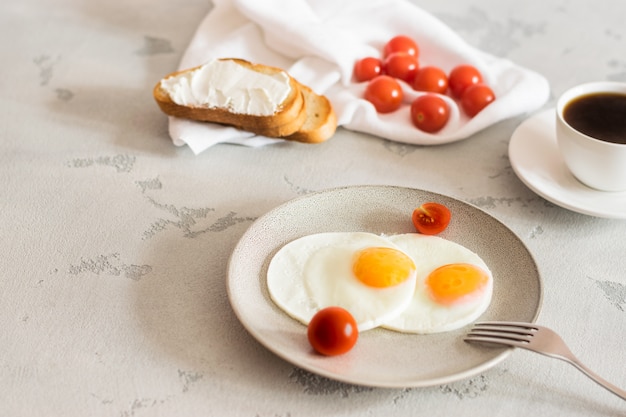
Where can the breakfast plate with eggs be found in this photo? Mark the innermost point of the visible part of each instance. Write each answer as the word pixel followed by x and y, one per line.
pixel 302 256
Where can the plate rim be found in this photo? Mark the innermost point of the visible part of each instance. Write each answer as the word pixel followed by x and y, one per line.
pixel 504 352
pixel 517 139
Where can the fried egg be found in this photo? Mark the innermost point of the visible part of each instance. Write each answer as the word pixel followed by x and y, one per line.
pixel 364 273
pixel 454 285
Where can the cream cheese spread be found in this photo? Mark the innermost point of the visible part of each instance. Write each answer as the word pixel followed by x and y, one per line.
pixel 227 85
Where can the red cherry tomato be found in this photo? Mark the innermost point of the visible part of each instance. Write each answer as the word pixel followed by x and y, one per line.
pixel 431 218
pixel 401 65
pixel 367 68
pixel 476 98
pixel 385 93
pixel 430 79
pixel 401 43
pixel 429 113
pixel 462 77
pixel 332 331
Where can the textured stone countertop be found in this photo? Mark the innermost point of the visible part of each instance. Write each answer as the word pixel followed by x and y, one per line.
pixel 116 243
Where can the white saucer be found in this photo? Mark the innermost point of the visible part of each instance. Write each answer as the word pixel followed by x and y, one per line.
pixel 536 160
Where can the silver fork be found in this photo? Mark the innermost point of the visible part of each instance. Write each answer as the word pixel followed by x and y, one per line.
pixel 536 338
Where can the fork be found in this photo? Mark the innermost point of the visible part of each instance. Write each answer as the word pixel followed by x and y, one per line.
pixel 536 338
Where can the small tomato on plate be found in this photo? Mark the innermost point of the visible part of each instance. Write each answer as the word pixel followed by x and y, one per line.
pixel 332 331
pixel 431 218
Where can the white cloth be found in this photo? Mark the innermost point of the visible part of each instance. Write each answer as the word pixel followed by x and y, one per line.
pixel 318 42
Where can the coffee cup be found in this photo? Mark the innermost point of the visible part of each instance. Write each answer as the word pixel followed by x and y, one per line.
pixel 591 133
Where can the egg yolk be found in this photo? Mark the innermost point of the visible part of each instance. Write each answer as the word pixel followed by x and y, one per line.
pixel 382 267
pixel 449 284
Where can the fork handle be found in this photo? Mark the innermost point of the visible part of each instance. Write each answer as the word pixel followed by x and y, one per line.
pixel 595 377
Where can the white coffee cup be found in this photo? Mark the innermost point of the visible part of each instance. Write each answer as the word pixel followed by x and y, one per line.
pixel 596 163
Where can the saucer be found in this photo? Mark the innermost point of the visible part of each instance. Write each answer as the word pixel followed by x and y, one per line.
pixel 536 160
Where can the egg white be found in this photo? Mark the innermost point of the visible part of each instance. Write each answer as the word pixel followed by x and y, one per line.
pixel 315 271
pixel 423 315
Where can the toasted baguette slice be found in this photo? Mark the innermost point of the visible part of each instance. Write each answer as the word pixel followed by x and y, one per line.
pixel 321 121
pixel 288 118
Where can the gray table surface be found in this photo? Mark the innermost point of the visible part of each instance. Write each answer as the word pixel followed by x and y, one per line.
pixel 115 242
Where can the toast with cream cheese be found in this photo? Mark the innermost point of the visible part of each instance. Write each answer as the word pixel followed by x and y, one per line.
pixel 257 98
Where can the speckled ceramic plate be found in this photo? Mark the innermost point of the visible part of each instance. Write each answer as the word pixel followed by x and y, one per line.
pixel 381 358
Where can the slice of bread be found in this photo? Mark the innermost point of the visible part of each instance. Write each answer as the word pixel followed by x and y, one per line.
pixel 321 121
pixel 303 115
pixel 288 118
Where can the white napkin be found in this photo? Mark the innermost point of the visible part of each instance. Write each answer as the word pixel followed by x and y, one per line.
pixel 318 42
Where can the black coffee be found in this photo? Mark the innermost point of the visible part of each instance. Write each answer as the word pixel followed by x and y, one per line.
pixel 599 115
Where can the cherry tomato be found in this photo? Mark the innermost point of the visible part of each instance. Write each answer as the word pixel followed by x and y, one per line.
pixel 429 113
pixel 430 79
pixel 462 77
pixel 401 65
pixel 476 98
pixel 367 68
pixel 401 43
pixel 332 331
pixel 431 218
pixel 385 93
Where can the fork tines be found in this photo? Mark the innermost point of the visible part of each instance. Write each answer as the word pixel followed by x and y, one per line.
pixel 501 332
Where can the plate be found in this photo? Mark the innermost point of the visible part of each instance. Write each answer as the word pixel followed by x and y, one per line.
pixel 381 358
pixel 536 160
